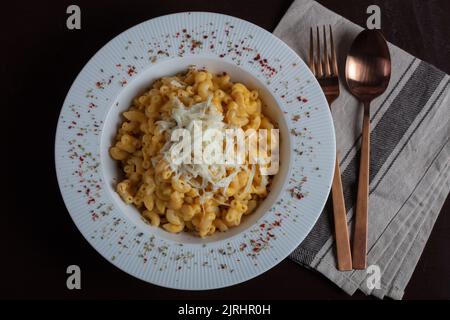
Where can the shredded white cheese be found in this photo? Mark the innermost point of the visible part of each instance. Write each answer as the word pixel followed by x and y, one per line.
pixel 212 176
pixel 177 83
pixel 250 179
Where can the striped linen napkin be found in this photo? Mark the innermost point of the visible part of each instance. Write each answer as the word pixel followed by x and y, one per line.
pixel 410 159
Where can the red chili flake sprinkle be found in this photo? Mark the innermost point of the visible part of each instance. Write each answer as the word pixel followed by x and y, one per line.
pixel 283 96
pixel 295 193
pixel 205 37
pixel 262 225
pixel 211 46
pixel 131 70
pixel 265 67
pixel 118 65
pixel 184 30
pixel 99 85
pixel 195 44
pixel 305 100
pixel 221 55
pixel 188 36
pixel 94 216
pixel 91 201
pixel 81 159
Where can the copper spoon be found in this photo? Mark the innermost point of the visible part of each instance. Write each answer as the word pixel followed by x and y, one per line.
pixel 367 72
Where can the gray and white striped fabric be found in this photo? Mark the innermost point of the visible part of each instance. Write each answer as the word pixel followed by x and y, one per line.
pixel 410 159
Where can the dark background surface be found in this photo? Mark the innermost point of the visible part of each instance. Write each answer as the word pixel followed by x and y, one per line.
pixel 38 239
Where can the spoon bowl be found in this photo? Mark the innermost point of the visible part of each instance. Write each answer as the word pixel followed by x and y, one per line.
pixel 368 66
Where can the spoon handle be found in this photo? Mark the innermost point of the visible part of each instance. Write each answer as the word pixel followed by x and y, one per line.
pixel 362 202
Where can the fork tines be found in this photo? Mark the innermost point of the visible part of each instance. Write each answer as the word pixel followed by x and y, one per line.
pixel 322 65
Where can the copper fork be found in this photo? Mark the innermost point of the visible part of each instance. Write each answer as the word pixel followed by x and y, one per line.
pixel 324 68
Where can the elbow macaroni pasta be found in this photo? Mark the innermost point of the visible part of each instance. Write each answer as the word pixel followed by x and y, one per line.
pixel 167 200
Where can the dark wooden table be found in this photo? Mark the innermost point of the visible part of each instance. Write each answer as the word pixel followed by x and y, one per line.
pixel 40 60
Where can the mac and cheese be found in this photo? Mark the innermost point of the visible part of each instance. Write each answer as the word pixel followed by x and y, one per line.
pixel 191 197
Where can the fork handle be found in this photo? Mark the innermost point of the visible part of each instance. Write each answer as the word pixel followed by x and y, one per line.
pixel 344 258
pixel 362 202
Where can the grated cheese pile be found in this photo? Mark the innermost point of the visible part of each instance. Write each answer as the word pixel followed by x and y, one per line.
pixel 207 178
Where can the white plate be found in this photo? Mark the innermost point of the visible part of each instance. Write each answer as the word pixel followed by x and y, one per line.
pixel 164 46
